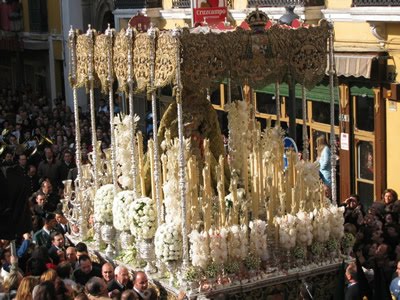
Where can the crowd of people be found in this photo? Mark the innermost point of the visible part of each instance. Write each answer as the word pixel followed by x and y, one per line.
pixel 376 247
pixel 37 154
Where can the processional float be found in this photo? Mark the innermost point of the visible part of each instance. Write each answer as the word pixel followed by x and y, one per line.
pixel 185 204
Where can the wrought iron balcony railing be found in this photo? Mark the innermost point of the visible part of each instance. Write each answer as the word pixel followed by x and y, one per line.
pixel 181 3
pixel 376 3
pixel 126 4
pixel 186 3
pixel 284 3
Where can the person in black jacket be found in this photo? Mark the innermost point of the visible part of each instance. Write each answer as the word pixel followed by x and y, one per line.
pixel 121 281
pixel 85 271
pixel 353 289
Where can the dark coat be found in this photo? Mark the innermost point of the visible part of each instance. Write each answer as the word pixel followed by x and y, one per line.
pixel 14 206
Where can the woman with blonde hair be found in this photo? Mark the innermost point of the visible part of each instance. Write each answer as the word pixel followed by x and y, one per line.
pixel 324 160
pixel 25 288
pixel 49 275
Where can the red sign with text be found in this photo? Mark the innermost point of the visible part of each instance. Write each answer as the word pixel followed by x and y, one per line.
pixel 210 11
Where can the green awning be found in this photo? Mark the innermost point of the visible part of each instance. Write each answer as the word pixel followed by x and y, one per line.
pixel 361 90
pixel 319 93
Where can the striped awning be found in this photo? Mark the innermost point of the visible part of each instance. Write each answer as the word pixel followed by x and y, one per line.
pixel 354 64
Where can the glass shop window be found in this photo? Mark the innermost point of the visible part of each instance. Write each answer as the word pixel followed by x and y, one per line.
pixel 266 103
pixel 364 113
pixel 321 112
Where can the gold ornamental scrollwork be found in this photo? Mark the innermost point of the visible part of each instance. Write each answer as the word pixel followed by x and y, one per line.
pixel 141 61
pixel 82 60
pixel 101 51
pixel 121 60
pixel 308 57
pixel 165 64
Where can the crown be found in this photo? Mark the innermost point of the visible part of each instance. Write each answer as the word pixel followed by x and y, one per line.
pixel 257 20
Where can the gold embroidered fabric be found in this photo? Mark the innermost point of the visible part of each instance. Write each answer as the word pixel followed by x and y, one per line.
pixel 165 64
pixel 121 46
pixel 83 45
pixel 246 57
pixel 101 52
pixel 141 61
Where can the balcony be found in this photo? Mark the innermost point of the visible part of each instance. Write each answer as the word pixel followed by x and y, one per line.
pixel 181 3
pixel 283 3
pixel 132 4
pixel 360 3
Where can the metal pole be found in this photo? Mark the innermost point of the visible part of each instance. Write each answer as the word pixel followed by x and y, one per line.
pixel 292 108
pixel 332 107
pixel 306 152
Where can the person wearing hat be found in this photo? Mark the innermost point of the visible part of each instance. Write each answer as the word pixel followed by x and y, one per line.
pixel 42 237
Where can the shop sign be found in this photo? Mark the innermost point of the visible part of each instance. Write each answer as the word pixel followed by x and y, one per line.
pixel 210 12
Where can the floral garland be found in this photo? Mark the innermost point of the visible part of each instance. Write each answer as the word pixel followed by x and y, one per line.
pixel 238 242
pixel 120 212
pixel 199 250
pixel 258 238
pixel 304 228
pixel 168 242
pixel 143 218
pixel 219 245
pixel 103 204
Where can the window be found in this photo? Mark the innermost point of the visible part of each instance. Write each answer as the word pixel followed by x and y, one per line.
pixel 364 113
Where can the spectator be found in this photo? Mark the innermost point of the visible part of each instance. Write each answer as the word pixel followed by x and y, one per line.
pixel 86 270
pixel 353 289
pixel 48 168
pixel 72 258
pixel 25 288
pixel 96 289
pixel 44 291
pixel 324 160
pixel 120 282
pixel 107 272
pixel 141 287
pixel 66 165
pixel 56 251
pixel 42 237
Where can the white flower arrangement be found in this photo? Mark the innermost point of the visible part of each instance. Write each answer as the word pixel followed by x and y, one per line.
pixel 168 242
pixel 304 228
pixel 199 249
pixel 120 210
pixel 238 243
pixel 218 245
pixel 172 200
pixel 258 238
pixel 336 222
pixel 123 129
pixel 321 225
pixel 287 231
pixel 143 218
pixel 103 204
